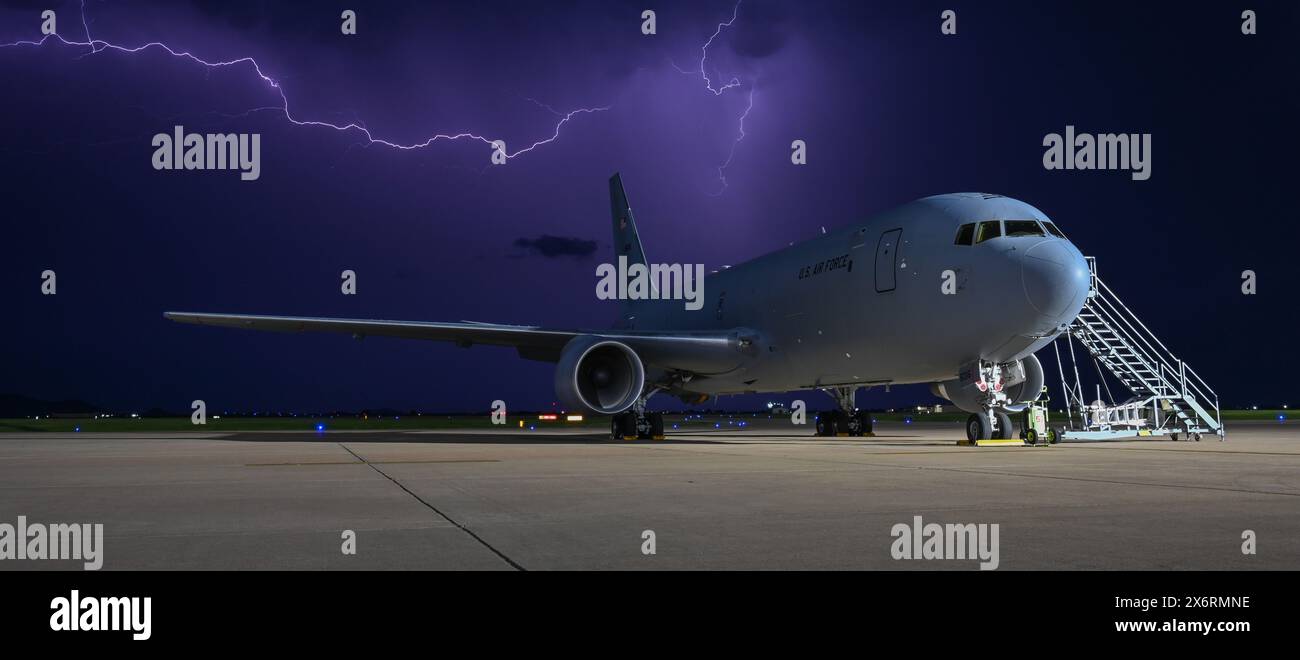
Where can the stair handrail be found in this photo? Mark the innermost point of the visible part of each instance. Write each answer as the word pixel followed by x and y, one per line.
pixel 1110 309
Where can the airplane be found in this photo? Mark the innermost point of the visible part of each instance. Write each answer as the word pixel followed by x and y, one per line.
pixel 956 290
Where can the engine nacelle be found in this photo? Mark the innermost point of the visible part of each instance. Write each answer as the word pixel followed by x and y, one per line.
pixel 1022 382
pixel 1027 385
pixel 598 375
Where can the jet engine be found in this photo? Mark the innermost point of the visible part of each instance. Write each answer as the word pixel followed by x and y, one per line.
pixel 598 375
pixel 1022 382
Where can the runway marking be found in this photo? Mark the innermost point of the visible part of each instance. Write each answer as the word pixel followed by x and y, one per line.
pixel 1202 451
pixel 432 460
pixel 435 509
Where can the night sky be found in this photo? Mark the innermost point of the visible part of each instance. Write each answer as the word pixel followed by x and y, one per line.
pixel 891 110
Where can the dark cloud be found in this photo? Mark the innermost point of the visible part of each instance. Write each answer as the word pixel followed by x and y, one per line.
pixel 553 247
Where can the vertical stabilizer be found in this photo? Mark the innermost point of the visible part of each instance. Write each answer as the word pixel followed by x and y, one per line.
pixel 627 243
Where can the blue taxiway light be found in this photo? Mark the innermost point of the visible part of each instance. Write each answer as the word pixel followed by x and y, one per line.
pixel 320 428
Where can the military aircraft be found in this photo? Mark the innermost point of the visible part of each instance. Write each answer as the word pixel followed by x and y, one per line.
pixel 955 290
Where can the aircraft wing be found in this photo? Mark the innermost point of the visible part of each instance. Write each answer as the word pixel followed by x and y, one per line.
pixel 700 353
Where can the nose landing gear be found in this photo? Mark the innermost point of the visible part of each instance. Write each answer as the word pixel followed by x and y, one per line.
pixel 989 425
pixel 992 422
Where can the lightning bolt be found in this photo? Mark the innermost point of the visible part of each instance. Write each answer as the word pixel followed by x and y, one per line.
pixel 734 82
pixel 99 46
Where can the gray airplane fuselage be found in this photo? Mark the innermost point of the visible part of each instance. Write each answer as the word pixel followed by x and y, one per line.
pixel 893 299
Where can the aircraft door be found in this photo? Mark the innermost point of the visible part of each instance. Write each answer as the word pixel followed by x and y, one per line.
pixel 886 259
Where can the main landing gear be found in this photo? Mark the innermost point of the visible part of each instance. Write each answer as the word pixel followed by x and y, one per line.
pixel 636 423
pixel 848 420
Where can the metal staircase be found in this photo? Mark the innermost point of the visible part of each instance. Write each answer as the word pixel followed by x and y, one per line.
pixel 1178 399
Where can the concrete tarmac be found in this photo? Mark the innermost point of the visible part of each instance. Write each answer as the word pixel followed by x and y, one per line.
pixel 757 498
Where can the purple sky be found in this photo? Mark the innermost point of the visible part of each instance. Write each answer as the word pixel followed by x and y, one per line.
pixel 891 110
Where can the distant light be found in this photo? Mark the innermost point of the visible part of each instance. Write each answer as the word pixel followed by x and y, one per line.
pixel 1281 418
pixel 573 418
pixel 532 428
pixel 78 429
pixel 320 428
pixel 717 426
pixel 674 426
pixel 907 420
pixel 548 417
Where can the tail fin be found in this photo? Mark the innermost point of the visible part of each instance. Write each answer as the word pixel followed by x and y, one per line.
pixel 626 240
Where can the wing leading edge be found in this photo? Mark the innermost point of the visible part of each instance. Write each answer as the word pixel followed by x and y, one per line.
pixel 700 353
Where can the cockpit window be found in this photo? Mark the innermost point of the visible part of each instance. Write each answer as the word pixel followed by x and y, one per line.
pixel 965 234
pixel 1051 229
pixel 987 230
pixel 1023 228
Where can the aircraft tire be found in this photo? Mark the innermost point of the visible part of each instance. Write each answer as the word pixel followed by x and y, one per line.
pixel 656 425
pixel 824 427
pixel 978 427
pixel 627 426
pixel 1004 431
pixel 864 422
pixel 839 423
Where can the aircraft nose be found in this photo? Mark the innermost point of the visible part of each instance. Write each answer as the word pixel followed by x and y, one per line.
pixel 1056 279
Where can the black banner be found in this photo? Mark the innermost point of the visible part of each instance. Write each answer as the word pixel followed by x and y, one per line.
pixel 327 609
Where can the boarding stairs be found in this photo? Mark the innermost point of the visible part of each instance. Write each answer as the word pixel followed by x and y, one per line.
pixel 1179 400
